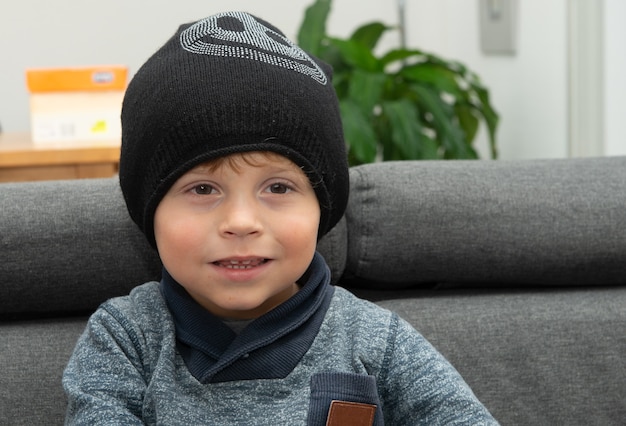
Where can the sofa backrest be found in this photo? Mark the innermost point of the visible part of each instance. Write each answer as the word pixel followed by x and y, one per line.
pixel 66 246
pixel 487 223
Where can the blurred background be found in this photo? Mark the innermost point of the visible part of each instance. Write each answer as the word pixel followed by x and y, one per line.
pixel 558 94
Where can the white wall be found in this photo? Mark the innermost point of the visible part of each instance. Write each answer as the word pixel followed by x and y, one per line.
pixel 614 77
pixel 528 89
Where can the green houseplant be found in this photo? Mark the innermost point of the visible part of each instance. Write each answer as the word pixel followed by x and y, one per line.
pixel 404 104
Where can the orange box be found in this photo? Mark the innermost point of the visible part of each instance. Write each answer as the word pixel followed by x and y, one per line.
pixel 78 105
pixel 43 80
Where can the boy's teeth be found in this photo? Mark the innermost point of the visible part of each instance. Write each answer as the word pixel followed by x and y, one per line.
pixel 241 264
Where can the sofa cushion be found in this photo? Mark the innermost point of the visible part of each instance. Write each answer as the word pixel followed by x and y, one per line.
pixel 547 222
pixel 70 245
pixel 533 356
pixel 33 356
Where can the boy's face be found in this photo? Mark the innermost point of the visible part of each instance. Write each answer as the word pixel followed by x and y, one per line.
pixel 239 235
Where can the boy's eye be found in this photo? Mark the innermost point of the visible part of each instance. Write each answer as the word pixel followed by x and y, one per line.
pixel 278 188
pixel 203 189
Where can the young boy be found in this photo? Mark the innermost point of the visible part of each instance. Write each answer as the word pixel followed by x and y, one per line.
pixel 233 165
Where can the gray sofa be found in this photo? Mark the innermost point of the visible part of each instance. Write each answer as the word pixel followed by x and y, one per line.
pixel 515 270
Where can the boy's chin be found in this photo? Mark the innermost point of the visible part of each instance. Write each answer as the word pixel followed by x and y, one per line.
pixel 252 308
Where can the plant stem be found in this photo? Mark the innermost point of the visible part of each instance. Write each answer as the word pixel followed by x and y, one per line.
pixel 402 22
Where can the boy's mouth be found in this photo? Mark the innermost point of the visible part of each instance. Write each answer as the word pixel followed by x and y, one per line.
pixel 240 263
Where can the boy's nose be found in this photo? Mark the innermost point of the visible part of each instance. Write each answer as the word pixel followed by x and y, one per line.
pixel 241 218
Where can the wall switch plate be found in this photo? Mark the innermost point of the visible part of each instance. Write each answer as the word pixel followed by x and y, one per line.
pixel 498 26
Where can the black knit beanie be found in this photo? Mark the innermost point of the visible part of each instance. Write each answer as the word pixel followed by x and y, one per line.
pixel 227 84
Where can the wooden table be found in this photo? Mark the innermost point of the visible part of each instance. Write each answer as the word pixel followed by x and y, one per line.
pixel 22 160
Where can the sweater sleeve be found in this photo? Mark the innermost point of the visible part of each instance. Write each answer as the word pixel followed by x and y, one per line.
pixel 421 387
pixel 104 379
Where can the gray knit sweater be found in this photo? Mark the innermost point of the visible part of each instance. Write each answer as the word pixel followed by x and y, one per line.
pixel 126 369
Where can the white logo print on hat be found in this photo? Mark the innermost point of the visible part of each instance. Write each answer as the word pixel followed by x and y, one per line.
pixel 248 38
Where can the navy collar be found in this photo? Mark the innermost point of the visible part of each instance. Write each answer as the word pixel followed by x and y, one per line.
pixel 269 347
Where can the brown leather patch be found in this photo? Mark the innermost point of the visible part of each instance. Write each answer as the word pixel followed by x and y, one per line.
pixel 344 413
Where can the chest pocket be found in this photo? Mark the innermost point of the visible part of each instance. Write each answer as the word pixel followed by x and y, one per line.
pixel 345 399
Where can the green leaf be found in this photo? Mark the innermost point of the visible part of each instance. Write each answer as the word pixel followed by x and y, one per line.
pixel 359 134
pixel 450 136
pixel 357 54
pixel 313 28
pixel 405 129
pixel 430 148
pixel 467 119
pixel 366 88
pixel 396 55
pixel 369 34
pixel 490 116
pixel 440 77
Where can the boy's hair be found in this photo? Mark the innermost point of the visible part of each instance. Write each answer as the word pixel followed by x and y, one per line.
pixel 227 84
pixel 235 161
